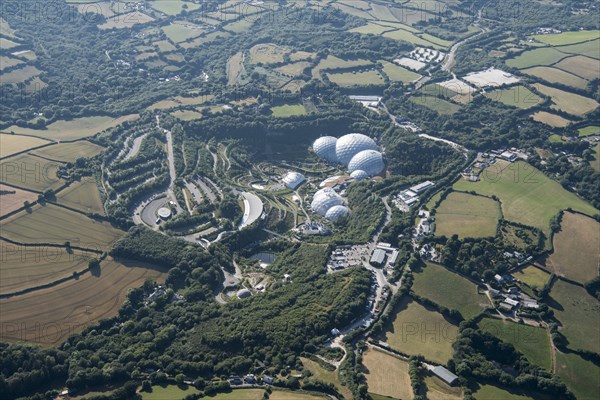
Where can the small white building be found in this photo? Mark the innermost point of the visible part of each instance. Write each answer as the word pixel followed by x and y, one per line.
pixel 293 179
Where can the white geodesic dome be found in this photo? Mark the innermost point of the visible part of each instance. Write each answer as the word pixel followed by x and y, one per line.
pixel 293 179
pixel 370 161
pixel 324 147
pixel 359 175
pixel 324 199
pixel 336 212
pixel 351 144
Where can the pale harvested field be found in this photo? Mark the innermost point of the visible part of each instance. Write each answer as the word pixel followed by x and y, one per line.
pixel 568 102
pixel 49 316
pixel 70 152
pixel 550 119
pixel 234 67
pixel 387 375
pixel 83 196
pixel 438 390
pixel 576 248
pixel 56 225
pixel 30 172
pixel 585 67
pixel 11 144
pixel 13 201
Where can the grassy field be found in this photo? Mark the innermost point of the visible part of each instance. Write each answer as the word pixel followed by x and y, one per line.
pixel 7 62
pixel 13 201
pixel 550 119
pixel 580 376
pixel 83 196
pixel 532 58
pixel 398 74
pixel 568 102
pixel 348 79
pixel 53 224
pixel 332 62
pixel 589 130
pixel 74 129
pixel 11 144
pixel 124 21
pixel 436 389
pixel 590 49
pixel 410 37
pixel 578 313
pixel 287 395
pixel 30 172
pixel 288 110
pixel 293 69
pixel 180 33
pixel 20 75
pixel 555 75
pixel 417 330
pixel 576 248
pixel 533 342
pixel 372 28
pixel 467 216
pixel 173 7
pixel 585 67
pixel 436 104
pixel 527 195
pixel 387 375
pixel 187 115
pixel 234 67
pixel 449 290
pixel 567 37
pixel 175 392
pixel 267 53
pixel 517 96
pixel 70 152
pixel 489 392
pixel 51 315
pixel 532 276
pixel 326 376
pixel 23 268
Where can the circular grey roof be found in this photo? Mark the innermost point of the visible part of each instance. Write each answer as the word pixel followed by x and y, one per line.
pixel 324 147
pixel 349 145
pixel 370 161
pixel 359 175
pixel 336 212
pixel 324 199
pixel 164 212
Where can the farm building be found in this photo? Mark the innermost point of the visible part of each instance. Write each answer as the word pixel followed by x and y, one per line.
pixel 422 186
pixel 445 375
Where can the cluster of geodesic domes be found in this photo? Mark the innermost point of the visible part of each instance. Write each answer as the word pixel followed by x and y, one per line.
pixel 356 151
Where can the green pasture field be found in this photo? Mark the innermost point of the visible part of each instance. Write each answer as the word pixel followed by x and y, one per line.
pixel 576 248
pixel 531 341
pixel 386 374
pixel 565 38
pixel 436 389
pixel 438 105
pixel 332 62
pixel 532 58
pixel 74 129
pixel 11 144
pixel 30 172
pixel 242 25
pixel 372 28
pixel 398 74
pixel 550 119
pixel 69 152
pixel 590 49
pixel 173 7
pixel 56 225
pixel 322 374
pixel 417 330
pixel 489 392
pixel 526 195
pixel 293 69
pixel 83 196
pixel 164 46
pixel 585 67
pixel 348 79
pixel 411 38
pixel 467 216
pixel 578 313
pixel 180 33
pixel 449 290
pixel 555 75
pixel 20 75
pixel 532 276
pixel 187 115
pixel 589 130
pixel 568 102
pixel 288 110
pixel 175 392
pixel 580 376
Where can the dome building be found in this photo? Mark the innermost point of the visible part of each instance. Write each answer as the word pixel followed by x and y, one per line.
pixel 293 179
pixel 351 144
pixel 336 212
pixel 359 175
pixel 369 161
pixel 324 199
pixel 324 147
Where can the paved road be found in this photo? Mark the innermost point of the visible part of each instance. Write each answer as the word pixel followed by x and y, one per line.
pixel 135 148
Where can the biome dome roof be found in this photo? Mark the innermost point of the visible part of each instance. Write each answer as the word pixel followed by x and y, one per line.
pixel 351 144
pixel 370 161
pixel 324 199
pixel 293 179
pixel 336 212
pixel 324 147
pixel 359 175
